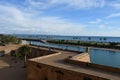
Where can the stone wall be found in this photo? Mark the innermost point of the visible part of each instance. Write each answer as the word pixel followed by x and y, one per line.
pixel 39 71
pixel 92 65
pixel 102 67
pixel 37 52
pixel 45 56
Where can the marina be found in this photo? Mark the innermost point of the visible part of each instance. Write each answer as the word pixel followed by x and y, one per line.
pixel 74 38
pixel 98 56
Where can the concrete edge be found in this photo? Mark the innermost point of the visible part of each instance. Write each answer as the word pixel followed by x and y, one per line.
pixel 46 56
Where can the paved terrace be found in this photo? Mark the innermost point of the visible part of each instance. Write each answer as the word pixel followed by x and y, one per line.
pixel 84 57
pixel 58 61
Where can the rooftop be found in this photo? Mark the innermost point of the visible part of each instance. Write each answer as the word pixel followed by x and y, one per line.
pixel 58 60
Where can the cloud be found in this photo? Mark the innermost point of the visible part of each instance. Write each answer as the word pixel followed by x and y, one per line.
pixel 79 4
pixel 96 21
pixel 115 4
pixel 114 15
pixel 102 30
pixel 13 20
pixel 76 4
pixel 29 18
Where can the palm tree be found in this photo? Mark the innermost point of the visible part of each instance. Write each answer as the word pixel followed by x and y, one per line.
pixel 25 51
pixel 89 38
pixel 105 38
pixel 78 42
pixel 100 38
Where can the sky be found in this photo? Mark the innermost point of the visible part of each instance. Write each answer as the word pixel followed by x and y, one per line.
pixel 60 17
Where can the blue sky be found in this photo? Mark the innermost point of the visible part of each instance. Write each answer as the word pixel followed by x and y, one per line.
pixel 60 17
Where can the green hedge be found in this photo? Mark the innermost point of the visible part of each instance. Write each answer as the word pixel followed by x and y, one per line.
pixel 6 39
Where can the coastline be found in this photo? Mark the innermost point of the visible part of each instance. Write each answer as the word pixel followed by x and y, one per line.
pixel 90 47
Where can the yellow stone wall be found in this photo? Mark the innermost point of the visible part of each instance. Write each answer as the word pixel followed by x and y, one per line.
pixel 38 71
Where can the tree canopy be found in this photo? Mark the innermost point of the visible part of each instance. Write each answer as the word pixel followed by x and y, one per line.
pixel 6 39
pixel 24 50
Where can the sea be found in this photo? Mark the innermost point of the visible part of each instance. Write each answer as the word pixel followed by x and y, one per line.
pixel 97 55
pixel 77 38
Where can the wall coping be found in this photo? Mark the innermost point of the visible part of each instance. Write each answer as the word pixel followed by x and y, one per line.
pixel 45 56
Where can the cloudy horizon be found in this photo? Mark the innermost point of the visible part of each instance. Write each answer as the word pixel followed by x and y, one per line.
pixel 60 17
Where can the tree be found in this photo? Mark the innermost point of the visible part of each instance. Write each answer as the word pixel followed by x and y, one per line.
pixel 67 41
pixel 105 38
pixel 25 51
pixel 9 39
pixel 78 42
pixel 100 38
pixel 89 38
pixel 113 44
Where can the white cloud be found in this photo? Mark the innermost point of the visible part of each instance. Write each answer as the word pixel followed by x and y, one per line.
pixel 102 30
pixel 77 4
pixel 102 26
pixel 115 4
pixel 96 21
pixel 16 21
pixel 114 15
